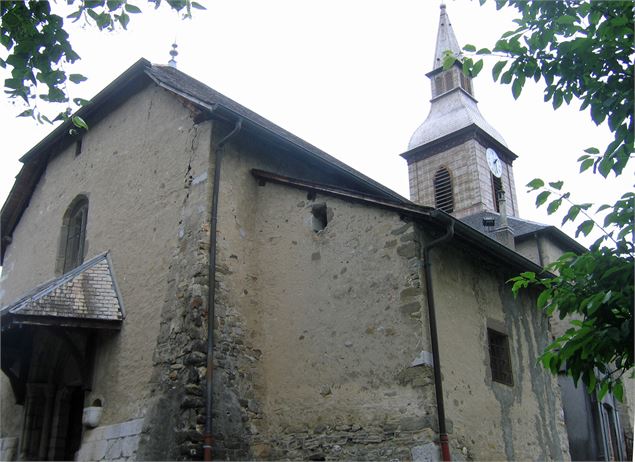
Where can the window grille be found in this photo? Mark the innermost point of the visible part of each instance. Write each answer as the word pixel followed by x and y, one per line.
pixel 443 195
pixel 500 361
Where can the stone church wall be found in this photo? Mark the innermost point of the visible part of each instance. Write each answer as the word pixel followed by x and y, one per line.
pixel 140 167
pixel 317 332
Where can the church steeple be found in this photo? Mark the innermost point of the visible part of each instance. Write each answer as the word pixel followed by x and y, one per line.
pixel 447 160
pixel 443 81
pixel 446 40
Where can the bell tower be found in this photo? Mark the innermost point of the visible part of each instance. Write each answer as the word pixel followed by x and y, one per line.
pixel 458 162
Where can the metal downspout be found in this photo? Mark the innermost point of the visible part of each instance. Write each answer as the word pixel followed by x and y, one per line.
pixel 208 439
pixel 434 339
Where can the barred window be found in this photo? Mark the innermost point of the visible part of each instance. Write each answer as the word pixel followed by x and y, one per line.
pixel 500 361
pixel 443 195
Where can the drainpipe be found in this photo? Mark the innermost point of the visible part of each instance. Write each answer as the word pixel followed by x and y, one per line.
pixel 541 258
pixel 434 339
pixel 208 439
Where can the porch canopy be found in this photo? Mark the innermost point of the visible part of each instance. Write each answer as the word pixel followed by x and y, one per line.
pixel 71 308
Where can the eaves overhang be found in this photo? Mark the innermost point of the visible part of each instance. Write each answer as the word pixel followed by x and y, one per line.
pixel 139 75
pixel 468 235
pixel 456 138
pixel 219 106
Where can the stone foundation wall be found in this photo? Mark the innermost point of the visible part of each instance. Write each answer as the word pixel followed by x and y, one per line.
pixel 8 448
pixel 115 443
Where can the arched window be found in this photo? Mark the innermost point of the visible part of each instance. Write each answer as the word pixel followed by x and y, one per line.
pixel 73 236
pixel 443 195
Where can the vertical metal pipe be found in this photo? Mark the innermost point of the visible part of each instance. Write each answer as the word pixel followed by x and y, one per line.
pixel 208 438
pixel 434 340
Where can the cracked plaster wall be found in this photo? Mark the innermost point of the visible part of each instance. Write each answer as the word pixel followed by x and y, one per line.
pixel 135 169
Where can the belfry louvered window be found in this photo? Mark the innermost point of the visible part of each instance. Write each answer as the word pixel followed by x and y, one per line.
pixel 497 187
pixel 443 195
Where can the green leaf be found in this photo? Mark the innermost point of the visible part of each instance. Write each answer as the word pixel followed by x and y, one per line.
pixel 605 166
pixel 507 77
pixel 586 164
pixel 554 206
pixel 543 298
pixel 132 9
pixel 75 15
pixel 484 51
pixel 469 48
pixel 592 150
pixel 478 65
pixel 123 19
pixel 556 185
pixel 498 67
pixel 585 227
pixel 76 78
pixel 566 20
pixel 618 391
pixel 198 6
pixel 517 87
pixel 542 198
pixel 79 122
pixel 536 183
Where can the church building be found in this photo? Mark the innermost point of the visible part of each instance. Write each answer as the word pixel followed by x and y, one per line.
pixel 187 280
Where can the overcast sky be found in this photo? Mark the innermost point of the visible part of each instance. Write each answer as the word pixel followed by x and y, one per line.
pixel 346 76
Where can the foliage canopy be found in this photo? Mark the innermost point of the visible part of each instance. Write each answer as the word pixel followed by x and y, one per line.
pixel 38 46
pixel 581 50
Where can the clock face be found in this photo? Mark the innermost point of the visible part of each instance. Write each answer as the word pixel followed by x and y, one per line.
pixel 494 162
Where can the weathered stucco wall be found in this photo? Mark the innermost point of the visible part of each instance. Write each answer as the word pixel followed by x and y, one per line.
pixel 315 332
pixel 138 167
pixel 492 420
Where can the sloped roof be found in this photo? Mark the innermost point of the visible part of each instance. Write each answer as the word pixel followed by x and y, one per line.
pixel 135 78
pixel 446 39
pixel 188 87
pixel 450 113
pixel 522 229
pixel 86 295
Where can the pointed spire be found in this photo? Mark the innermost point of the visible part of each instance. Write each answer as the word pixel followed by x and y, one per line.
pixel 446 40
pixel 173 54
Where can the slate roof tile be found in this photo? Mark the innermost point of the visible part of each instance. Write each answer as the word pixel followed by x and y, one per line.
pixel 87 292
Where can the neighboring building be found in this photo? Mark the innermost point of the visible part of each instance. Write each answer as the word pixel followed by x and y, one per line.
pixel 322 341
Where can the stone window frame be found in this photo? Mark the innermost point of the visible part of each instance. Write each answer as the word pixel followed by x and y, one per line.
pixel 499 353
pixel 76 214
pixel 445 192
